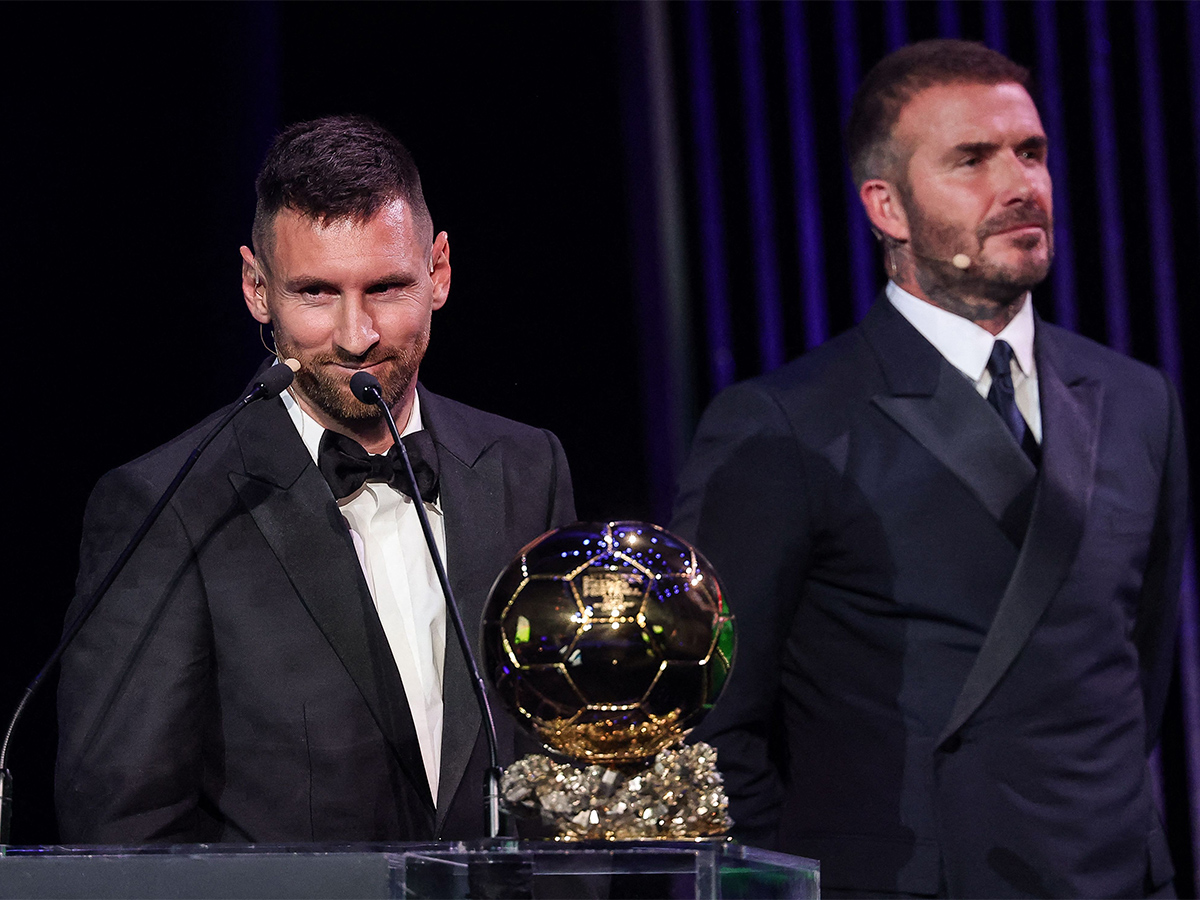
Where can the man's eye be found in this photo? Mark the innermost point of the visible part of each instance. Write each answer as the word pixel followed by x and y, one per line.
pixel 387 290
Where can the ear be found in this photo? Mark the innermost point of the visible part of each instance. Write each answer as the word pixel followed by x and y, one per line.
pixel 439 269
pixel 884 208
pixel 253 289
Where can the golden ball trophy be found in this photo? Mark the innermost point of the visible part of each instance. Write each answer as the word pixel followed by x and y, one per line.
pixel 609 642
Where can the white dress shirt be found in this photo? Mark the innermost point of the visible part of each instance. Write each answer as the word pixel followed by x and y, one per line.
pixel 403 582
pixel 967 347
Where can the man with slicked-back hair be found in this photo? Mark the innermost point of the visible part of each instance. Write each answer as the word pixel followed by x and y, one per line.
pixel 275 663
pixel 952 538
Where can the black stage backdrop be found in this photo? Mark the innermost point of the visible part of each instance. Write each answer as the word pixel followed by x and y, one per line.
pixel 621 247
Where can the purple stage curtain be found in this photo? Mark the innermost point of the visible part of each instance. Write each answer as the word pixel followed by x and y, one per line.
pixel 771 236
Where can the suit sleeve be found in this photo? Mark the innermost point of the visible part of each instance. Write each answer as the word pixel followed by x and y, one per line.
pixel 743 501
pixel 1158 605
pixel 134 693
pixel 562 499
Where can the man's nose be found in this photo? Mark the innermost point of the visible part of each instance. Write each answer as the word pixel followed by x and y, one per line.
pixel 1020 181
pixel 356 332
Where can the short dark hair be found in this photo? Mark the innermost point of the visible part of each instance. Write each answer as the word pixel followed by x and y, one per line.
pixel 335 168
pixel 899 77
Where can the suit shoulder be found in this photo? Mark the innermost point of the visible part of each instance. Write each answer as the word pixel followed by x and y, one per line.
pixel 531 457
pixel 159 465
pixel 1075 356
pixel 1089 356
pixel 832 363
pixel 468 432
pixel 442 407
pixel 833 377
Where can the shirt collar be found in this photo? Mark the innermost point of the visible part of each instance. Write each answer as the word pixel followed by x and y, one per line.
pixel 965 345
pixel 312 431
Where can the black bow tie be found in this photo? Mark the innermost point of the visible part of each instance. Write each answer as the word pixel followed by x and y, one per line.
pixel 346 465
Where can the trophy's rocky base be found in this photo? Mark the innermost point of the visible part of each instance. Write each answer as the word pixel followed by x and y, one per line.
pixel 677 796
pixel 489 868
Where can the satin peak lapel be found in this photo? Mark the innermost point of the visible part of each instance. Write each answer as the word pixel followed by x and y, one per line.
pixel 1071 417
pixel 943 412
pixel 471 500
pixel 293 508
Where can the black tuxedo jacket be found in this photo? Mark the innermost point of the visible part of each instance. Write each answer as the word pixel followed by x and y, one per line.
pixel 236 684
pixel 951 665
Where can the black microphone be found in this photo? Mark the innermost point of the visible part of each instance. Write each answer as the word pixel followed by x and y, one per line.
pixel 365 388
pixel 272 383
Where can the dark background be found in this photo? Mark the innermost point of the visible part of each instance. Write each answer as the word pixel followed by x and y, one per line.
pixel 585 285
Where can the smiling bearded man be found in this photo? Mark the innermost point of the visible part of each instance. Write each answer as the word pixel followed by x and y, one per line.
pixel 953 537
pixel 272 665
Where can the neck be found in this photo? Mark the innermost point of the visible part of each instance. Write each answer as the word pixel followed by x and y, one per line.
pixel 988 312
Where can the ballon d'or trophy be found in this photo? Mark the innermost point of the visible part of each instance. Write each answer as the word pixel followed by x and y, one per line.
pixel 609 642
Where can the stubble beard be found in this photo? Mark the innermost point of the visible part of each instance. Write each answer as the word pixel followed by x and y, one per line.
pixel 328 388
pixel 986 289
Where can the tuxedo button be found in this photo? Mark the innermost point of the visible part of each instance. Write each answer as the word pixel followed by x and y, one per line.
pixel 951 744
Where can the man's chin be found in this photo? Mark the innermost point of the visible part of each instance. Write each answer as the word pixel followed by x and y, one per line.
pixel 331 394
pixel 1015 275
pixel 1024 259
pixel 352 411
pixel 335 402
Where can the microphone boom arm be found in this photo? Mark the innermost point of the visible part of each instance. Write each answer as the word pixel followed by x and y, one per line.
pixel 366 388
pixel 272 383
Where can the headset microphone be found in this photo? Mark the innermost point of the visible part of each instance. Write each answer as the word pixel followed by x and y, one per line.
pixel 960 261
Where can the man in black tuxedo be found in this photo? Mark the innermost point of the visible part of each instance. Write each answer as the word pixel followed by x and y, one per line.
pixel 952 538
pixel 274 664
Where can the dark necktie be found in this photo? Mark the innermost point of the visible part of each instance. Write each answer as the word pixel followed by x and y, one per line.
pixel 1004 400
pixel 346 465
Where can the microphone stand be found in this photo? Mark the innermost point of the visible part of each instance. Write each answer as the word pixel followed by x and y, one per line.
pixel 365 387
pixel 272 383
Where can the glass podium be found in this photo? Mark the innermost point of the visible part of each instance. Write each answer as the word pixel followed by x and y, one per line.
pixel 485 869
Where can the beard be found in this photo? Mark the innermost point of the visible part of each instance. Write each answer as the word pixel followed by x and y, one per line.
pixel 328 387
pixel 995 283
